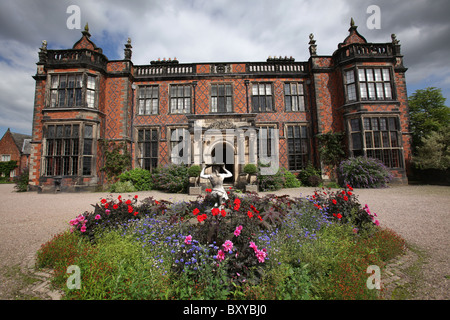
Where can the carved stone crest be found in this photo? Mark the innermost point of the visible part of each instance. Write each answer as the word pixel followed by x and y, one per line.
pixel 222 124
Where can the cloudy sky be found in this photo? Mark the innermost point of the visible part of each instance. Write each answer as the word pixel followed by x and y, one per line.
pixel 214 30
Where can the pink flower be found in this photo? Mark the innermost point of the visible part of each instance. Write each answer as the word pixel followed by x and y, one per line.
pixel 261 255
pixel 107 211
pixel 188 239
pixel 377 223
pixel 73 222
pixel 228 245
pixel 253 246
pixel 237 232
pixel 83 228
pixel 97 217
pixel 220 255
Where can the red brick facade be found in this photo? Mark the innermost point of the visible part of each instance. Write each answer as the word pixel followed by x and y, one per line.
pixel 15 147
pixel 83 98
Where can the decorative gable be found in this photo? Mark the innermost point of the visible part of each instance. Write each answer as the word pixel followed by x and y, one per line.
pixel 353 37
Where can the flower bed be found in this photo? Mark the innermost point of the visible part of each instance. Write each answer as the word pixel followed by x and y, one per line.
pixel 271 247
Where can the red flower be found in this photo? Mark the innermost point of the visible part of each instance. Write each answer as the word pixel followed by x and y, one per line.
pixel 156 202
pixel 349 193
pixel 208 190
pixel 103 201
pixel 250 214
pixel 128 202
pixel 196 211
pixel 136 196
pixel 130 209
pixel 223 213
pixel 343 191
pixel 106 205
pixel 115 206
pixel 215 211
pixel 202 217
pixel 259 217
pixel 136 213
pixel 334 201
pixel 339 215
pixel 345 198
pixel 349 188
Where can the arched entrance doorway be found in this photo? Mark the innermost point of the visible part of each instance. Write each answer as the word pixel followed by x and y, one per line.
pixel 224 153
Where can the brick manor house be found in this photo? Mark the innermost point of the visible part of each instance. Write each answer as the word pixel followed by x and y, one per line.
pixel 82 98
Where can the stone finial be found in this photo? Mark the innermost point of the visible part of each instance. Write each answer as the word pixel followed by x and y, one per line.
pixel 43 52
pixel 394 39
pixel 85 32
pixel 312 45
pixel 127 50
pixel 352 23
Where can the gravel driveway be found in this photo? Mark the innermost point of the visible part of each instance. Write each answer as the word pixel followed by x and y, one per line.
pixel 418 213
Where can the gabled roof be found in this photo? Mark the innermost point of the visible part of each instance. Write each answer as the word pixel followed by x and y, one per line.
pixel 19 140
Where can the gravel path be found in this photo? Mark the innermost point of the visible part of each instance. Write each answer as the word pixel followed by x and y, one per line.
pixel 418 213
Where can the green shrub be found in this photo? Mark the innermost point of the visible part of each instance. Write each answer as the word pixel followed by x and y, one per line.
pixel 21 181
pixel 122 186
pixel 290 180
pixel 140 178
pixel 362 172
pixel 310 176
pixel 271 182
pixel 194 171
pixel 171 178
pixel 250 168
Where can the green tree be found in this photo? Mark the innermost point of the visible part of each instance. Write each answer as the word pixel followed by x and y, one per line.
pixel 434 152
pixel 331 149
pixel 428 113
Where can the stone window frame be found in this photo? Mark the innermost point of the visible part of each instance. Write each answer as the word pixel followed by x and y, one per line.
pixel 296 96
pixel 184 98
pixel 148 103
pixel 369 84
pixel 299 158
pixel 86 92
pixel 261 94
pixel 228 95
pixel 71 155
pixel 153 145
pixel 371 137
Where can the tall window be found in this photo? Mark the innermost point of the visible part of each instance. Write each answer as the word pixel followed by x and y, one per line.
pixel 350 85
pixel 148 100
pixel 62 150
pixel 180 98
pixel 148 148
pixel 90 91
pixel 297 140
pixel 180 145
pixel 87 150
pixel 265 137
pixel 221 98
pixel 262 100
pixel 379 138
pixel 294 99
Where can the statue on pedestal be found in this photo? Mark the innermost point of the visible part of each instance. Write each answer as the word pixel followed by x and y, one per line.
pixel 216 180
